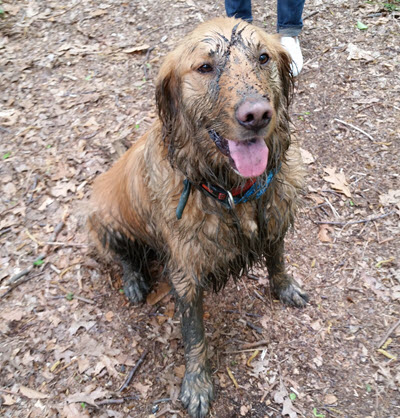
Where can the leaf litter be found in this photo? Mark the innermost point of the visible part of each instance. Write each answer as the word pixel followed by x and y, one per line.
pixel 72 101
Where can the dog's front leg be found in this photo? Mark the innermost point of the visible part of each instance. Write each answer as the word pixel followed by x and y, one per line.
pixel 283 285
pixel 197 389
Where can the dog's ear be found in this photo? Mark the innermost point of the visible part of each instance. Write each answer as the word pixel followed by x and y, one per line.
pixel 168 93
pixel 286 75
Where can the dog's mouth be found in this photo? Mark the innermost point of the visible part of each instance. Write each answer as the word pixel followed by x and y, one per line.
pixel 249 158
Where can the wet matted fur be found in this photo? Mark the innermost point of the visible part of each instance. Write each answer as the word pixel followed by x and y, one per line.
pixel 222 98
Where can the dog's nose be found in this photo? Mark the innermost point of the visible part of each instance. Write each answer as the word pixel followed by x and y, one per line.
pixel 254 114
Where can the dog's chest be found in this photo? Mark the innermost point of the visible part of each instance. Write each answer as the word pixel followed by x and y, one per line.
pixel 211 242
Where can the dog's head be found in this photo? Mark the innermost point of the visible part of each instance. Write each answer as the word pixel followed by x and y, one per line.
pixel 222 98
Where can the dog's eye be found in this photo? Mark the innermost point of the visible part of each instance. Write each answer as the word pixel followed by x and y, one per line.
pixel 205 68
pixel 263 59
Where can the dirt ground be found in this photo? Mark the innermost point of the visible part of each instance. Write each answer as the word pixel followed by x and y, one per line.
pixel 77 87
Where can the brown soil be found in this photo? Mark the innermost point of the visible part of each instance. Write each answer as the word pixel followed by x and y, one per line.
pixel 77 87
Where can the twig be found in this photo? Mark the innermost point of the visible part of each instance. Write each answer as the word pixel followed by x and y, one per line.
pixel 19 275
pixel 133 371
pixel 387 335
pixel 332 191
pixel 57 230
pixel 84 299
pixel 334 211
pixel 4 231
pixel 361 221
pixel 117 401
pixel 330 410
pixel 256 344
pixel 110 401
pixel 259 296
pixel 243 313
pixel 255 327
pixel 26 271
pixel 242 351
pixel 34 239
pixel 66 244
pixel 311 14
pixel 356 128
pixel 373 15
pixel 157 401
pixel 16 284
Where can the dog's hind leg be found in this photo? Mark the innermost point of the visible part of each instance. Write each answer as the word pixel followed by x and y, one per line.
pixel 133 255
pixel 283 285
pixel 136 285
pixel 197 390
pixel 135 260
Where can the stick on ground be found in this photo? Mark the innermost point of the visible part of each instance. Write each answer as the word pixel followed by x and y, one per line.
pixel 361 221
pixel 133 371
pixel 355 127
pixel 387 335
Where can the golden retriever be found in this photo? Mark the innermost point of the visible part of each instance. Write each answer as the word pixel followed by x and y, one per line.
pixel 211 189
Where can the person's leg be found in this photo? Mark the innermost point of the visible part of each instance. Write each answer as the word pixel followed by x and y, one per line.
pixel 290 22
pixel 289 26
pixel 240 9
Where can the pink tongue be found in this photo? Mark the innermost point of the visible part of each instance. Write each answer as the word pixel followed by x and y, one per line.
pixel 251 159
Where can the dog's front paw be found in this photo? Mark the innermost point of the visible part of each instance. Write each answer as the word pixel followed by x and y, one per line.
pixel 197 392
pixel 289 291
pixel 135 288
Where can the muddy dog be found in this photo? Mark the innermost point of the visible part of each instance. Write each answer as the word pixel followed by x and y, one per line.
pixel 212 187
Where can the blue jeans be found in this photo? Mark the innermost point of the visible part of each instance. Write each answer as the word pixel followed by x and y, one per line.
pixel 289 23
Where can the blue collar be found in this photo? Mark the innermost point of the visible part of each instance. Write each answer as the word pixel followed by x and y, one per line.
pixel 224 197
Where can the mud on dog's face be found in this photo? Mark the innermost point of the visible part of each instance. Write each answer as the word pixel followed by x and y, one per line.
pixel 228 83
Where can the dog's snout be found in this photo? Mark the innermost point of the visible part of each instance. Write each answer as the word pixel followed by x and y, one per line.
pixel 254 114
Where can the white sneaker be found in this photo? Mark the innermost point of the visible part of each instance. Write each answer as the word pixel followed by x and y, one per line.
pixel 292 45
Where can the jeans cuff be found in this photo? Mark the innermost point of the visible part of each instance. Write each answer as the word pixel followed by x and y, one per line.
pixel 290 30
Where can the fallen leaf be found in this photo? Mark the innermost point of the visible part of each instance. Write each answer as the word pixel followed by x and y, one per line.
pixel 31 393
pixel 316 198
pixel 88 398
pixel 110 363
pixel 306 156
pixel 288 408
pixel 9 117
pixel 8 400
pixel 83 364
pixel 244 410
pixel 356 53
pixel 316 325
pixel 9 190
pixel 318 361
pixel 160 292
pixel 76 325
pixel 361 25
pixel 135 49
pixel 376 286
pixel 109 316
pixel 11 9
pixel 280 394
pixel 330 399
pixel 14 315
pixel 338 181
pixel 390 198
pixel 143 389
pixel 62 189
pixel 180 371
pixel 73 411
pixel 324 233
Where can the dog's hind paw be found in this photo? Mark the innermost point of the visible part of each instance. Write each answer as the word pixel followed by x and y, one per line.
pixel 289 291
pixel 197 392
pixel 135 287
